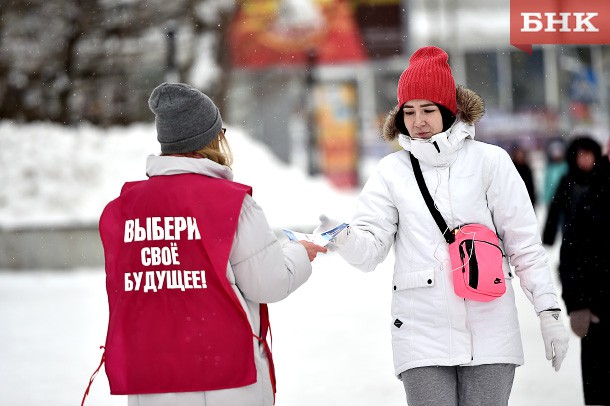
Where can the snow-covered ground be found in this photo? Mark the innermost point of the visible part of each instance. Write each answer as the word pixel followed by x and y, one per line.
pixel 331 338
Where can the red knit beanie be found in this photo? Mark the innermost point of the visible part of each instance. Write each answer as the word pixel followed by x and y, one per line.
pixel 428 77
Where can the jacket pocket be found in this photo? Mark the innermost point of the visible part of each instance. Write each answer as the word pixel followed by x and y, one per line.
pixel 411 280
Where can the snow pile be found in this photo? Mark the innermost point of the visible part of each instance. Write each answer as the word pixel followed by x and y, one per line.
pixel 57 176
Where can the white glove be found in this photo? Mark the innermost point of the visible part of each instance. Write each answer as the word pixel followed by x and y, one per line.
pixel 554 335
pixel 326 224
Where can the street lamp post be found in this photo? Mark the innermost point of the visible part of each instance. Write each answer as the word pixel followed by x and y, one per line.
pixel 171 73
pixel 312 142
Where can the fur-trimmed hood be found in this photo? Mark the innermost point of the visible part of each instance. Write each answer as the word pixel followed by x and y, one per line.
pixel 471 109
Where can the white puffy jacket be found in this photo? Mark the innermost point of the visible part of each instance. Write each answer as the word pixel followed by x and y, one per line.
pixel 430 324
pixel 260 271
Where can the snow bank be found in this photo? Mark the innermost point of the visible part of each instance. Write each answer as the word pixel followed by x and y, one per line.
pixel 56 176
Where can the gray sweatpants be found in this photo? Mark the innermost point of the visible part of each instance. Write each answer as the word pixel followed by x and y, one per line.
pixel 481 385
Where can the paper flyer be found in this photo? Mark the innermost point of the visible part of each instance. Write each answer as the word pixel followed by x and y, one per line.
pixel 321 239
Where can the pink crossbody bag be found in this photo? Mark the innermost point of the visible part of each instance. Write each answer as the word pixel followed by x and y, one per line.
pixel 474 251
pixel 476 263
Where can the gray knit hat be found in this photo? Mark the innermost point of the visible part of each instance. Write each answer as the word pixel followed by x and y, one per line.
pixel 186 119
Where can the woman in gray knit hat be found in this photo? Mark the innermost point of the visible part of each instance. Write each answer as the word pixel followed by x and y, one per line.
pixel 191 263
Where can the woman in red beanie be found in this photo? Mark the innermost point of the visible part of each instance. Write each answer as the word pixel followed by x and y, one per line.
pixel 450 350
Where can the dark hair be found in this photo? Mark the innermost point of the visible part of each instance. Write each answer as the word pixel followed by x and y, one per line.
pixel 447 116
pixel 399 122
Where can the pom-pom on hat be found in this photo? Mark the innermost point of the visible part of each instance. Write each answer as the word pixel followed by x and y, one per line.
pixel 428 77
pixel 187 120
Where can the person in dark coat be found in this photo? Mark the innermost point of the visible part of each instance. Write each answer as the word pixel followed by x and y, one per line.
pixel 581 284
pixel 582 155
pixel 585 281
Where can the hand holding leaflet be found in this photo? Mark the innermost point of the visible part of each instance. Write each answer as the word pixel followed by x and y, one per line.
pixel 313 249
pixel 321 239
pixel 326 224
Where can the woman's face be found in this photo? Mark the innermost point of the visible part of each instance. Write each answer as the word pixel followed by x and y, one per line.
pixel 422 118
pixel 585 160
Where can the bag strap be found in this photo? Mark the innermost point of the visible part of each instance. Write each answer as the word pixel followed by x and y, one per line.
pixel 438 218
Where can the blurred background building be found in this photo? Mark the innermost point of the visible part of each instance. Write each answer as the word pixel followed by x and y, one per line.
pixel 313 79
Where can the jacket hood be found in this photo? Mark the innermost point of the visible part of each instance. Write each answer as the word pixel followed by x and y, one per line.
pixel 471 109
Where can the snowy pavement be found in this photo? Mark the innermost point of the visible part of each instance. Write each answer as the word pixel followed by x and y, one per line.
pixel 331 342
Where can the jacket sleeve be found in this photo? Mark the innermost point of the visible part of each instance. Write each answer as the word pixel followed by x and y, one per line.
pixel 517 226
pixel 579 248
pixel 372 230
pixel 265 270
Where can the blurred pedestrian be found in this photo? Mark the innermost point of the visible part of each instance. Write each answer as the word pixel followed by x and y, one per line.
pixel 450 345
pixel 520 158
pixel 581 156
pixel 585 281
pixel 190 265
pixel 556 166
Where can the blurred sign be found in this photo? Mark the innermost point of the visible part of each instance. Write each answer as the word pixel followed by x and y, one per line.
pixel 282 32
pixel 381 25
pixel 337 129
pixel 558 22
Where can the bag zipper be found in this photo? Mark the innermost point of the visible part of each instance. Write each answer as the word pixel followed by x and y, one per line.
pixel 473 275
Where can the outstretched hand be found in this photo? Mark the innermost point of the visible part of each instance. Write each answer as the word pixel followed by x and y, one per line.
pixel 313 249
pixel 327 223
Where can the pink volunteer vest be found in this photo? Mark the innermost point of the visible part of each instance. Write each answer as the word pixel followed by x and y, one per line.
pixel 175 323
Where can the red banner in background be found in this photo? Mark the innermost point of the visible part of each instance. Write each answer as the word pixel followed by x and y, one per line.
pixel 559 22
pixel 274 32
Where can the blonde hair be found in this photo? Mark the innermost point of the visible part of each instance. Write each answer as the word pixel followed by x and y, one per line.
pixel 218 150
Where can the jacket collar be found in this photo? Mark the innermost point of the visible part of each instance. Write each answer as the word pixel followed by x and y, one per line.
pixel 456 135
pixel 173 165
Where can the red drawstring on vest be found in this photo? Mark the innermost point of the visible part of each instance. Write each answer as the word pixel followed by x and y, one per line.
pixel 271 366
pixel 94 374
pixel 266 327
